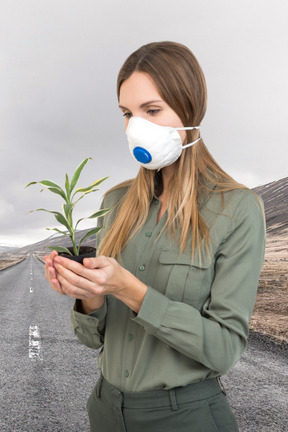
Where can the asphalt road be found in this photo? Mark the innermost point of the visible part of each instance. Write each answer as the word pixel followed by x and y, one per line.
pixel 47 375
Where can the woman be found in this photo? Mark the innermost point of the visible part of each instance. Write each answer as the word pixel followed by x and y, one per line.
pixel 170 294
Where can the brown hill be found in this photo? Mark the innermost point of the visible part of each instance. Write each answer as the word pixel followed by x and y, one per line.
pixel 275 197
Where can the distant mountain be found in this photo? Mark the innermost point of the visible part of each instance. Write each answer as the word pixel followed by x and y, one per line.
pixel 55 240
pixel 275 197
pixel 4 248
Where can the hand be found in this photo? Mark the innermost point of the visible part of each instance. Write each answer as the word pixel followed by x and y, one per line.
pixel 86 306
pixel 96 278
pixel 50 272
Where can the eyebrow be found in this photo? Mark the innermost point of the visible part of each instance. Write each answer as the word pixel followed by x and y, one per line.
pixel 144 104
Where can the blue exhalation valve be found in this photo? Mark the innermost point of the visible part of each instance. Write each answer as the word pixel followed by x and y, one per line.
pixel 142 155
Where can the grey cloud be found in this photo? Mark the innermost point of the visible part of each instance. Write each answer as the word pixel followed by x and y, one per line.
pixel 58 102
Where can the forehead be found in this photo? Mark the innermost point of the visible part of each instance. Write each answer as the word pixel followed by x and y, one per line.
pixel 138 88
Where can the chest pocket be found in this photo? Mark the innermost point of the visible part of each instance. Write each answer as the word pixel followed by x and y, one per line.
pixel 185 281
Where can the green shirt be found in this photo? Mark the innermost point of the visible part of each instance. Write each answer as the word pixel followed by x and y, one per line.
pixel 193 323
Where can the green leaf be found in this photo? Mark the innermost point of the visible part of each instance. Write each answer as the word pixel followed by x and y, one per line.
pixel 67 209
pixel 58 216
pixel 89 188
pixel 82 196
pixel 67 186
pixel 99 213
pixel 60 249
pixel 58 192
pixel 53 187
pixel 31 183
pixel 59 231
pixel 89 234
pixel 49 183
pixel 77 173
pixel 48 211
pixel 63 221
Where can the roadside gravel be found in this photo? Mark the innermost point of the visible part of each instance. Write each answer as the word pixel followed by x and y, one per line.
pixel 257 387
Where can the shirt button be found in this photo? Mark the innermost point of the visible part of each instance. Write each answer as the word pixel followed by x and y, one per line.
pixel 142 267
pixel 130 337
pixel 156 201
pixel 148 234
pixel 126 373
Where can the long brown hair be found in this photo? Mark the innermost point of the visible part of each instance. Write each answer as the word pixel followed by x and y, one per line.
pixel 181 83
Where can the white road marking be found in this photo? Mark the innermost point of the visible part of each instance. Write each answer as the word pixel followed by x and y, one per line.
pixel 35 343
pixel 31 279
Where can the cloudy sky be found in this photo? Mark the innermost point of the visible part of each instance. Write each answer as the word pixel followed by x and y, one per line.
pixel 59 63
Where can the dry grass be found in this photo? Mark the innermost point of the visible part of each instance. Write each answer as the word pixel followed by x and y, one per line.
pixel 10 261
pixel 270 314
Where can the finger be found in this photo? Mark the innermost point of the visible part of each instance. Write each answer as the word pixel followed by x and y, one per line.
pixel 70 289
pixel 55 284
pixel 51 276
pixel 69 264
pixel 76 269
pixel 52 255
pixel 77 280
pixel 97 262
pixel 49 269
pixel 49 259
pixel 51 273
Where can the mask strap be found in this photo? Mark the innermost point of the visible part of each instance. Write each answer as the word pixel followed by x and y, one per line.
pixel 190 128
pixel 189 145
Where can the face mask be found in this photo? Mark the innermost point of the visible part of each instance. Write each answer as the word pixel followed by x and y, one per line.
pixel 154 146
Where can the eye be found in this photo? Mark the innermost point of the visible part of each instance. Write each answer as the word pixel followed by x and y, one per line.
pixel 153 111
pixel 127 115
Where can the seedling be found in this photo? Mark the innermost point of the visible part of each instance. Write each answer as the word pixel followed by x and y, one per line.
pixel 71 197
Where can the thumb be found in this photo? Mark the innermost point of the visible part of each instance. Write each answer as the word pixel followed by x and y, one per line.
pixel 89 262
pixel 93 263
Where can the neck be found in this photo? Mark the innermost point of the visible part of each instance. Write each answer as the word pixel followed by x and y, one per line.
pixel 167 174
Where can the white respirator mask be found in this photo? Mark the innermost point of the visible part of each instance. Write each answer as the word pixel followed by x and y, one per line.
pixel 154 146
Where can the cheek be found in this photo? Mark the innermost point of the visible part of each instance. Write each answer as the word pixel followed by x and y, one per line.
pixel 126 123
pixel 183 136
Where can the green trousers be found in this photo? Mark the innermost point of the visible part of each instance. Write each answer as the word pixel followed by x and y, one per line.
pixel 198 407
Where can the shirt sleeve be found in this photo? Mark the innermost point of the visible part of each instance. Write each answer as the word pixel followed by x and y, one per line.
pixel 90 329
pixel 216 336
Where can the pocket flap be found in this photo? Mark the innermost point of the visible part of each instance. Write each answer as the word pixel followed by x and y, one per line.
pixel 174 257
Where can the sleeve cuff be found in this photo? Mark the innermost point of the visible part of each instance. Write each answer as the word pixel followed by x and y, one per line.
pixel 152 311
pixel 91 320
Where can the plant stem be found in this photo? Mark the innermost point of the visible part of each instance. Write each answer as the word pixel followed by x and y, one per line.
pixel 76 252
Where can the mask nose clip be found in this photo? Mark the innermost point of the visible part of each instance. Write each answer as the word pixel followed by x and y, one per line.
pixel 142 155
